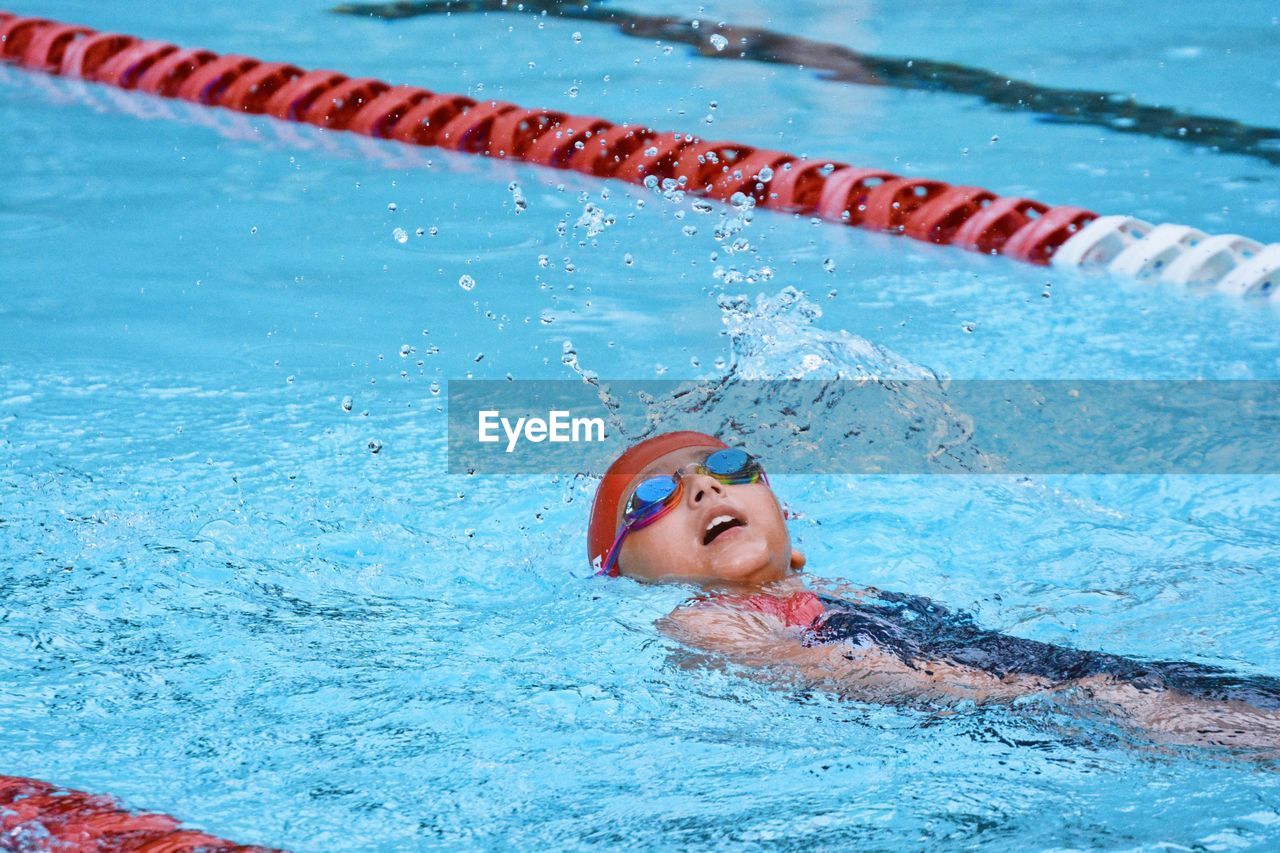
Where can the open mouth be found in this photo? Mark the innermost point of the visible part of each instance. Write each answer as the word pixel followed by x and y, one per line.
pixel 719 525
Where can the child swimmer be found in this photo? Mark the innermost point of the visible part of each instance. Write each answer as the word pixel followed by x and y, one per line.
pixel 684 507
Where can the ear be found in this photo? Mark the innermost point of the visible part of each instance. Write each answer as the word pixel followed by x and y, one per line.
pixel 797 560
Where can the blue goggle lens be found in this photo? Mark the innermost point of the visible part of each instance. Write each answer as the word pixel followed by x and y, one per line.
pixel 652 492
pixel 733 465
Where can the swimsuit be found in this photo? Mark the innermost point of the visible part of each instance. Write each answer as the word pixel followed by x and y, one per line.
pixel 918 631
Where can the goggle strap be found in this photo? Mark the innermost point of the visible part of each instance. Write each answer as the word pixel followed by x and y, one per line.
pixel 611 556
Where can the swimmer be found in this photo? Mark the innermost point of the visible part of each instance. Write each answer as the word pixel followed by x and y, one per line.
pixel 684 507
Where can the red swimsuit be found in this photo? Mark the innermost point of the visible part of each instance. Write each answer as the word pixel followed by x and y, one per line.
pixel 798 610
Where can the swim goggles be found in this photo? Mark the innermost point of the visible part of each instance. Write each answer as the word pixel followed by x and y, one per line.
pixel 657 496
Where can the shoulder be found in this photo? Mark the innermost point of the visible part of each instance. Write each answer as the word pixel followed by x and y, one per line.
pixel 708 622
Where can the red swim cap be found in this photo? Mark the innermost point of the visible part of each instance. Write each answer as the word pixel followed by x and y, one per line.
pixel 604 512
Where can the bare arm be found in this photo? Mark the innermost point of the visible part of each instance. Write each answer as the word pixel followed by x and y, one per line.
pixel 870 673
pixel 761 641
pixel 1176 717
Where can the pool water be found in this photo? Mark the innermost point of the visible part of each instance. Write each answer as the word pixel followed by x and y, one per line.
pixel 217 601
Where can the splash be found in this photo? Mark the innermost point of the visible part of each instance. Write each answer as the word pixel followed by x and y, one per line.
pixel 793 391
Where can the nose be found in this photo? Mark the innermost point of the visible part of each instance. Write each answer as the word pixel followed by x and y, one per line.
pixel 702 486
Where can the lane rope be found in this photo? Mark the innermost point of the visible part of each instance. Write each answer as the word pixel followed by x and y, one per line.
pixel 36 815
pixel 928 210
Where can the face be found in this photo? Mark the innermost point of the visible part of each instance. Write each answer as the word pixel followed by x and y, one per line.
pixel 718 534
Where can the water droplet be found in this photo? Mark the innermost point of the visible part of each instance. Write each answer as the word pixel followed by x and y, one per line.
pixel 401 235
pixel 391 207
pixel 375 446
pixel 766 175
pixel 466 282
pixel 253 230
pixel 572 92
pixel 434 387
pixel 719 42
pixel 650 182
pixel 433 231
pixel 829 265
pixel 419 232
pixel 517 197
pixel 347 404
pixel 406 351
pixel 546 317
pixel 544 261
pixel 968 327
pixel 627 259
pixel 690 230
pixel 577 38
pixel 995 139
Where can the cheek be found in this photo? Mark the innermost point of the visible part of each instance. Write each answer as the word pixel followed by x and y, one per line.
pixel 657 549
pixel 766 513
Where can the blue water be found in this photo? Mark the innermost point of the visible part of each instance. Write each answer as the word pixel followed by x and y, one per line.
pixel 217 602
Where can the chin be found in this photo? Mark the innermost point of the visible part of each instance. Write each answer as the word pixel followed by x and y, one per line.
pixel 749 573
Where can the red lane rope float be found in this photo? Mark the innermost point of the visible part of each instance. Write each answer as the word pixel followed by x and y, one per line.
pixel 336 107
pixel 207 83
pixel 251 91
pixel 48 45
pixel 291 101
pixel 38 816
pixel 166 75
pixel 1036 242
pixel 572 134
pixel 927 210
pixel 989 229
pixel 420 124
pixel 126 67
pixel 605 152
pixel 380 114
pixel 84 56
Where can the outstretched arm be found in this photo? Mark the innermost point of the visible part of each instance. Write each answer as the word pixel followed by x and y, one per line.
pixel 870 673
pixel 1176 717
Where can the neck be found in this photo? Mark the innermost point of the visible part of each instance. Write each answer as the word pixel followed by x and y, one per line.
pixel 781 587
